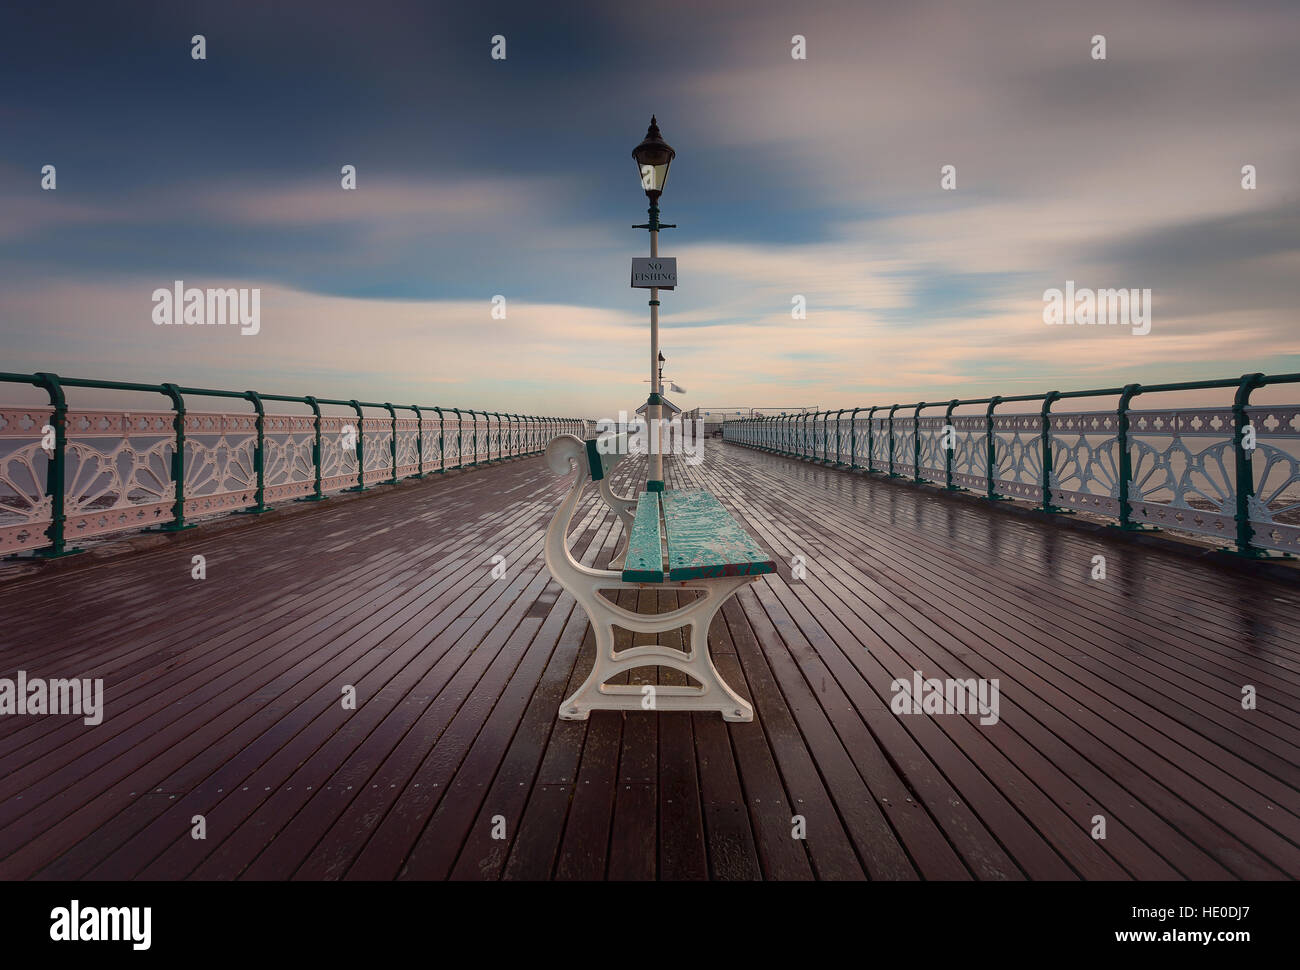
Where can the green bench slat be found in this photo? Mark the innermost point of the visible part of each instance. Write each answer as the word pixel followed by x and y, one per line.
pixel 645 555
pixel 705 542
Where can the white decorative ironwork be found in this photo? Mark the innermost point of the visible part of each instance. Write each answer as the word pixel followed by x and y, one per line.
pixel 25 508
pixel 1275 469
pixel 220 469
pixel 933 459
pixel 1085 461
pixel 1018 456
pixel 376 449
pixel 338 458
pixel 290 469
pixel 970 454
pixel 1183 470
pixel 118 471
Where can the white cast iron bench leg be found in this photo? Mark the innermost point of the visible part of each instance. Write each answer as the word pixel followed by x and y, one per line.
pixel 586 584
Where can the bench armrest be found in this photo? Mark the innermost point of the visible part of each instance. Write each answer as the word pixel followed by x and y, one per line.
pixel 562 451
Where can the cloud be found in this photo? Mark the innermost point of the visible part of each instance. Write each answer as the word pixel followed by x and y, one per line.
pixel 818 178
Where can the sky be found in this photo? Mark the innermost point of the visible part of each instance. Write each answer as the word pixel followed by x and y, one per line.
pixel 817 177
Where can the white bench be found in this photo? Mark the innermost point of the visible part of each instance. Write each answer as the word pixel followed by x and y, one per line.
pixel 678 539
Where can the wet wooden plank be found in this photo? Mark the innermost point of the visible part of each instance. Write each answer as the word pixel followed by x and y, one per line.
pixel 644 562
pixel 704 541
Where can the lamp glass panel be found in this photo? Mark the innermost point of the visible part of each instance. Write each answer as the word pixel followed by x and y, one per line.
pixel 653 177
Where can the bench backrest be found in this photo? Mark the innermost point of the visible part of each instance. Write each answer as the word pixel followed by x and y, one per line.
pixel 604 454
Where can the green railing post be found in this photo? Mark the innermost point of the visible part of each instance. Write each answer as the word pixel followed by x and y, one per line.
pixel 442 449
pixel 259 456
pixel 177 524
pixel 892 473
pixel 460 446
pixel 57 469
pixel 392 444
pixel 991 459
pixel 916 441
pixel 317 454
pixel 1125 457
pixel 871 438
pixel 949 453
pixel 1245 471
pixel 1048 399
pixel 360 486
pixel 853 439
pixel 419 441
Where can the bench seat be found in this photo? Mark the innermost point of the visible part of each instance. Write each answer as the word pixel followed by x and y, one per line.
pixel 704 541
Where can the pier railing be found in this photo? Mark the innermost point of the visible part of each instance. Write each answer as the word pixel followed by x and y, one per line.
pixel 1229 472
pixel 69 473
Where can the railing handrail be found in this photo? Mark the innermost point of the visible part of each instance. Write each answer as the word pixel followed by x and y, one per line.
pixel 530 434
pixel 798 439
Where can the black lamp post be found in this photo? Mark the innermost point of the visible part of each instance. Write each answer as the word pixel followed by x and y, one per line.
pixel 653 157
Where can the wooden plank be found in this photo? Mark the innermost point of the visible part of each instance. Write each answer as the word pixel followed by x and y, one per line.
pixel 645 556
pixel 682 854
pixel 705 542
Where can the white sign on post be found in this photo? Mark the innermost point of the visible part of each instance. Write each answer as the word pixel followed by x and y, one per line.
pixel 651 271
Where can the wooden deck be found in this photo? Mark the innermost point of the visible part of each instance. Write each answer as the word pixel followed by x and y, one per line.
pixel 1119 698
